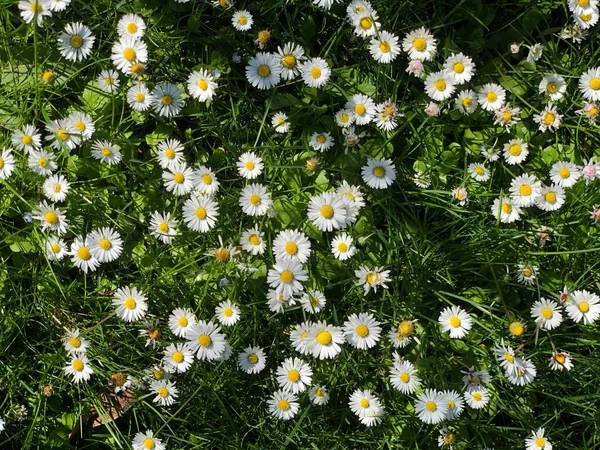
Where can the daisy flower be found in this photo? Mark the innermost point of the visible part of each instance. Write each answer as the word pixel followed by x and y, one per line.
pixel 165 391
pixel 298 337
pixel 315 72
pixel 318 395
pixel 200 213
pixel 548 118
pixel 527 274
pixel 324 340
pixel 515 151
pixel 35 9
pixel 313 301
pixel 466 101
pixel 357 7
pixel 363 108
pixel 131 25
pixel 474 378
pixel 205 181
pixel 291 245
pixel 283 405
pixel 105 244
pixel 28 138
pixel 372 278
pixel 280 122
pixel 419 44
pixel 384 48
pixel 379 173
pixel 362 331
pixel 108 80
pixel 431 406
pixel 178 178
pixel 169 152
pixel 460 67
pixel 130 303
pixel 342 246
pixel 415 67
pixel 106 152
pixel 252 241
pixel 178 358
pixel 439 85
pixel 535 53
pixel 477 398
pixel 56 188
pixel 403 335
pixel 524 190
pixel 163 226
pixel 79 369
pixel 227 313
pixel 403 377
pixel 365 23
pixel 294 375
pixel 537 441
pixel 166 99
pixel 564 174
pixel 206 339
pixel 75 42
pixel 386 115
pixel 127 52
pixel 63 134
pixel 590 170
pixel 250 165
pixel 491 97
pixel 286 277
pixel 327 212
pixel 56 248
pixel 139 97
pixel 366 406
pixel 277 301
pixel 524 372
pixel 507 116
pixel 551 198
pixel 263 71
pixel 83 124
pixel 547 313
pixel 255 200
pixel 51 218
pixel 455 402
pixel 242 20
pixel 81 256
pixel 326 4
pixel 560 361
pixel 587 19
pixel 584 306
pixel 252 360
pixel 321 142
pixel 201 85
pixel 291 56
pixel 455 320
pixel 181 320
pixel 478 172
pixel 461 195
pixel 589 84
pixel 75 344
pixel 553 86
pixel 144 441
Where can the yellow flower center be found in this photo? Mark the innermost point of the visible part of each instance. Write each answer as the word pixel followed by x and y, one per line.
pixel 283 405
pixel 163 392
pixel 585 17
pixel 479 171
pixel 440 85
pixel 228 312
pixel 379 171
pixel 78 365
pixel 48 76
pixel 291 248
pixel 525 189
pixel 550 197
pixel 105 244
pixel 42 162
pixel 183 322
pixel 178 357
pixel 76 41
pixel 406 328
pixel 293 375
pixel 324 337
pixel 491 97
pixel 342 247
pixel 106 151
pixel 385 47
pixel 455 322
pixel 242 20
pixel 255 199
pixel 84 253
pixel 467 102
pixel 547 313
pixel 458 67
pixel 404 377
pixel 516 328
pixel 311 165
pixel 178 178
pixel 289 61
pixel 327 211
pixel 508 357
pixel 207 179
pixel 203 85
pixel 55 248
pixel 506 116
pixel 169 153
pixel 506 208
pixel 250 165
pixel 158 374
pixel 344 118
pixel 477 396
pixel 373 278
pixel 362 330
pixel 252 358
pixel 583 3
pixel 552 87
pixel 564 173
pixel 132 28
pixel 26 139
pixel 51 217
pixel 431 406
pixel 593 111
pixel 515 149
pixel 527 272
pixel 319 393
pixel 149 443
pixel 163 226
pixel 204 340
pixel 166 100
pixel 74 342
pixel 130 303
pixel 139 97
pixel 201 213
pixel 57 187
pixel 364 403
pixel 549 118
pixel 360 109
pixel 254 239
pixel 366 23
pixel 129 54
pixel 584 307
pixel 137 68
pixel 287 276
pixel 420 44
pixel 109 81
pixel 460 195
pixel 540 442
pixel 560 358
pixel 36 7
pixel 62 134
pixel 321 139
pixel 264 70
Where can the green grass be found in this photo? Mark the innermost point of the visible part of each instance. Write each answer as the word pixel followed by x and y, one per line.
pixel 439 253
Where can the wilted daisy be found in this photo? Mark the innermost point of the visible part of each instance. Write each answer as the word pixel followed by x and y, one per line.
pixel 565 174
pixel 461 195
pixel 75 42
pixel 321 141
pixel 51 218
pixel 277 300
pixel 279 121
pixel 584 306
pixel 27 138
pixel 144 441
pixel 535 53
pixel 165 392
pixel 318 395
pixel 131 25
pixel 315 72
pixel 105 244
pixel 286 277
pixel 200 213
pixel 31 9
pixel 379 173
pixel 106 152
pixel 139 97
pixel 166 99
pixel 324 340
pixel 252 360
pixel 524 372
pixel 108 80
pixel 79 369
pixel 81 256
pixel 62 133
pixel 507 116
pixel 366 406
pixel 419 44
pixel 537 441
pixel 466 101
pixel 403 377
pixel 255 200
pixel 131 303
pixel 551 198
pixel 263 71
pixel 294 375
pixel 560 361
pixel 178 178
pixel 352 138
pixel 372 278
pixel 327 211
pixel 363 108
pixel 525 189
pixel 589 84
pixel 415 67
pixel 283 405
pixel 478 172
pixel 178 358
pixel 291 56
pixel 474 378
pixel 431 406
pixel 595 215
pixel 477 398
pixel 56 248
pixel 547 313
pixel 460 67
pixel 201 85
pixel 515 151
pixel 548 118
pixel 455 403
pixel 386 114
pixel 491 96
pixel 181 321
pixel 242 20
pixel 384 48
pixel 362 331
pixel 128 51
pixel 206 339
pixel 74 343
pixel 227 313
pixel 553 86
pixel 439 85
pixel 342 246
pixel 252 241
pixel 403 335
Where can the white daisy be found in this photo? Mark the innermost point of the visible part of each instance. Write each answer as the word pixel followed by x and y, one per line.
pixel 403 377
pixel 75 42
pixel 491 97
pixel 321 142
pixel 291 56
pixel 327 212
pixel 587 19
pixel 166 99
pixel 253 242
pixel 461 195
pixel 538 441
pixel 74 343
pixel 277 301
pixel 324 341
pixel 51 218
pixel 524 372
pixel 56 188
pixel 589 84
pixel 455 403
pixel 200 213
pixel 169 152
pixel 551 198
pixel 181 321
pixel 315 72
pixel 144 441
pixel 139 97
pixel 384 48
pixel 56 248
pixel 419 44
pixel 205 181
pixel 201 85
pixel 363 108
pixel 507 116
pixel 318 395
pixel 227 313
pixel 127 52
pixel 131 25
pixel 165 392
pixel 535 53
pixel 206 339
pixel 506 210
pixel 294 375
pixel 263 71
pixel 163 226
pixel 106 152
pixel 178 358
pixel 440 85
pixel 63 134
pixel 548 118
pixel 280 122
pixel 81 256
pixel 456 321
pixel 41 162
pixel 565 174
pixel 28 138
pixel 298 337
pixel 283 405
pixel 366 406
pixel 584 306
pixel 478 172
pixel 431 406
pixel 403 335
pixel 105 244
pixel 386 115
pixel 460 67
pixel 344 118
pixel 242 20
pixel 291 245
pixel 477 398
pixel 365 23
pixel 313 301
pixel 372 278
pixel 131 303
pixel 342 246
pixel 379 173
pixel 250 165
pixel 553 86
pixel 178 178
pixel 466 101
pixel 515 151
pixel 83 123
pixel 524 190
pixel 79 369
pixel 362 330
pixel 560 361
pixel 255 200
pixel 108 80
pixel 286 277
pixel 35 9
pixel 252 360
